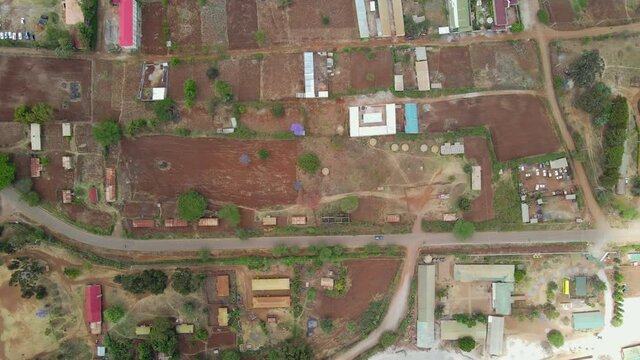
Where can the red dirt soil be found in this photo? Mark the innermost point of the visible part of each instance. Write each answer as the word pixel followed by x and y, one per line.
pixel 369 279
pixel 242 24
pixel 560 11
pixel 152 39
pixel 283 76
pixel 353 68
pixel 31 80
pixel 519 124
pixel 607 11
pixel 88 216
pixel 212 167
pixel 53 178
pixel 475 148
pixel 454 64
pixel 244 77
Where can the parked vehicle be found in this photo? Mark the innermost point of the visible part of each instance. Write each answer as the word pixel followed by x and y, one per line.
pixel 378 237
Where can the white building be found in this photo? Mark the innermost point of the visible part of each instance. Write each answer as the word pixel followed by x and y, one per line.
pixel 449 149
pixel 374 120
pixel 36 142
pixel 476 178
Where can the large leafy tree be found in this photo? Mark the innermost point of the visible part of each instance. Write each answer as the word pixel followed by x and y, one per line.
pixel 583 71
pixel 107 132
pixel 184 281
pixel 163 337
pixel 231 214
pixel 191 206
pixel 555 338
pixel 153 281
pixel 7 170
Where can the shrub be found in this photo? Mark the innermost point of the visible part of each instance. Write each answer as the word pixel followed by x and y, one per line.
pixel 543 16
pixel 190 92
pixel 114 313
pixel 7 170
pixel 349 204
pixel 284 3
pixel 464 204
pixel 39 113
pixel 32 198
pixel 278 110
pixel 72 272
pixel 583 71
pixel 309 162
pixel 134 127
pixel 153 281
pixel 325 20
pixel 466 343
pixel 261 37
pixel 388 338
pixel 191 206
pixel 555 338
pixel 231 214
pixel 107 132
pixel 201 334
pixel 463 230
pixel 231 355
pixel 224 91
pixel 519 275
pixel 212 73
pixel 517 27
pixel 183 132
pixel 326 325
pixel 165 110
pixel 263 154
pixel 413 29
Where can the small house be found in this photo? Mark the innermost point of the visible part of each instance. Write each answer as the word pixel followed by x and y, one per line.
pixel 36 141
pixel 299 220
pixel 110 190
pixel 66 163
pixel 449 217
pixel 589 320
pixel 392 218
pixel 143 330
pixel 66 129
pixel 326 283
pixel 208 222
pixel 143 223
pixel 171 223
pixel 67 196
pixel 93 195
pixel 36 167
pixel 269 221
pixel 185 329
pixel 223 316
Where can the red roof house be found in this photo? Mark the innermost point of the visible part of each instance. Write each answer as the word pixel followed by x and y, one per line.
pixel 93 307
pixel 93 195
pixel 36 167
pixel 129 14
pixel 500 8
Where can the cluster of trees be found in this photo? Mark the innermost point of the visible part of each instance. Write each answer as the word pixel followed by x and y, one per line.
pixel 466 343
pixel 165 110
pixel 184 281
pixel 371 318
pixel 555 338
pixel 413 29
pixel 615 135
pixel 162 338
pixel 39 113
pixel 294 348
pixel 58 39
pixel 153 281
pixel 340 283
pixel 107 132
pixel 190 92
pixel 7 170
pixel 89 29
pixel 231 214
pixel 584 70
pixel 596 100
pixel 470 320
pixel 309 162
pixel 618 298
pixel 135 127
pixel 26 274
pixel 25 188
pixel 224 91
pixel 191 206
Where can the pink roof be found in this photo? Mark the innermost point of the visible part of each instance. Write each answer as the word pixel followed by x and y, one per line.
pixel 93 195
pixel 93 303
pixel 126 23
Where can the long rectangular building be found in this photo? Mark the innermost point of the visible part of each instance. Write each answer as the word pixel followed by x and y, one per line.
pixel 271 302
pixel 270 284
pixel 495 335
pixel 426 337
pixel 483 272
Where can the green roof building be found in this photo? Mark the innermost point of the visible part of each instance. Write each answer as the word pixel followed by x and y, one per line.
pixel 581 286
pixel 459 15
pixel 501 297
pixel 588 320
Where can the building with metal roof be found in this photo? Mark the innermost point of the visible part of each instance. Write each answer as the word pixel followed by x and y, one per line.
pixel 495 335
pixel 66 129
pixel 93 307
pixel 452 149
pixel 130 24
pixel 309 76
pixel 385 19
pixel 361 15
pixel 208 222
pixel 635 257
pixel 426 337
pixel 453 330
pixel 422 75
pixel 185 329
pixel 398 18
pixel 501 299
pixel 270 284
pixel 589 320
pixel 483 272
pixel 421 53
pixel 476 178
pixel 631 352
pixel 398 83
pixel 559 163
pixel 459 15
pixel 581 286
pixel 411 125
pixel 524 210
pixel 36 141
pixel 373 120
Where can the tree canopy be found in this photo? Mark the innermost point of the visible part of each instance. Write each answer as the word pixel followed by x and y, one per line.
pixel 583 71
pixel 463 230
pixel 165 109
pixel 38 113
pixel 163 337
pixel 614 137
pixel 114 313
pixel 153 281
pixel 555 338
pixel 107 132
pixel 191 205
pixel 184 281
pixel 309 162
pixel 231 214
pixel 466 343
pixel 7 171
pixel 291 349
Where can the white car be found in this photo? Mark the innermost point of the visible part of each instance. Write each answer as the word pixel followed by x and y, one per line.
pixel 22 21
pixel 19 36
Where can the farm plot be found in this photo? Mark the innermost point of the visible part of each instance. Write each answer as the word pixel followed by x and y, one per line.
pixel 153 40
pixel 196 71
pixel 11 133
pixel 242 24
pixel 362 70
pixel 262 119
pixel 567 14
pixel 244 77
pixel 160 168
pixel 519 124
pixel 451 66
pixel 184 25
pixel 560 13
pixel 282 76
pixel 362 290
pixel 505 65
pixel 107 89
pixel 40 80
pixel 481 207
pixel 302 21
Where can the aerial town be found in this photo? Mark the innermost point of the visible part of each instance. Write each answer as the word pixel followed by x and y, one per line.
pixel 334 179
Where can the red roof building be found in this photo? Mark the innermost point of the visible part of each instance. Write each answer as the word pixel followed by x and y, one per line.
pixel 93 195
pixel 93 307
pixel 129 24
pixel 175 223
pixel 143 223
pixel 110 189
pixel 500 9
pixel 36 167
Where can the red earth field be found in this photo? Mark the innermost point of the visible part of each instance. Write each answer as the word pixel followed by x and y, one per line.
pixel 160 168
pixel 519 124
pixel 242 24
pixel 358 70
pixel 31 80
pixel 454 65
pixel 152 40
pixel 370 278
pixel 476 149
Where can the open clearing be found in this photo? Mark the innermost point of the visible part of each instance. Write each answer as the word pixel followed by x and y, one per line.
pixel 566 15
pixel 362 70
pixel 363 290
pixel 482 206
pixel 160 168
pixel 34 80
pixel 519 124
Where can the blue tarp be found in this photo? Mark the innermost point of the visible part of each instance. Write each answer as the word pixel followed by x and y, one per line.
pixel 411 119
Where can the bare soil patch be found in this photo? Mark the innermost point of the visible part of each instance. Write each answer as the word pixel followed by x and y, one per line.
pixel 244 77
pixel 519 124
pixel 184 25
pixel 11 133
pixel 282 76
pixel 362 70
pixel 505 65
pixel 263 121
pixel 560 12
pixel 242 24
pixel 212 167
pixel 53 178
pixel 481 207
pixel 152 37
pixel 451 66
pixel 30 80
pixel 85 215
pixel 363 290
pixel 607 11
pixel 107 90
